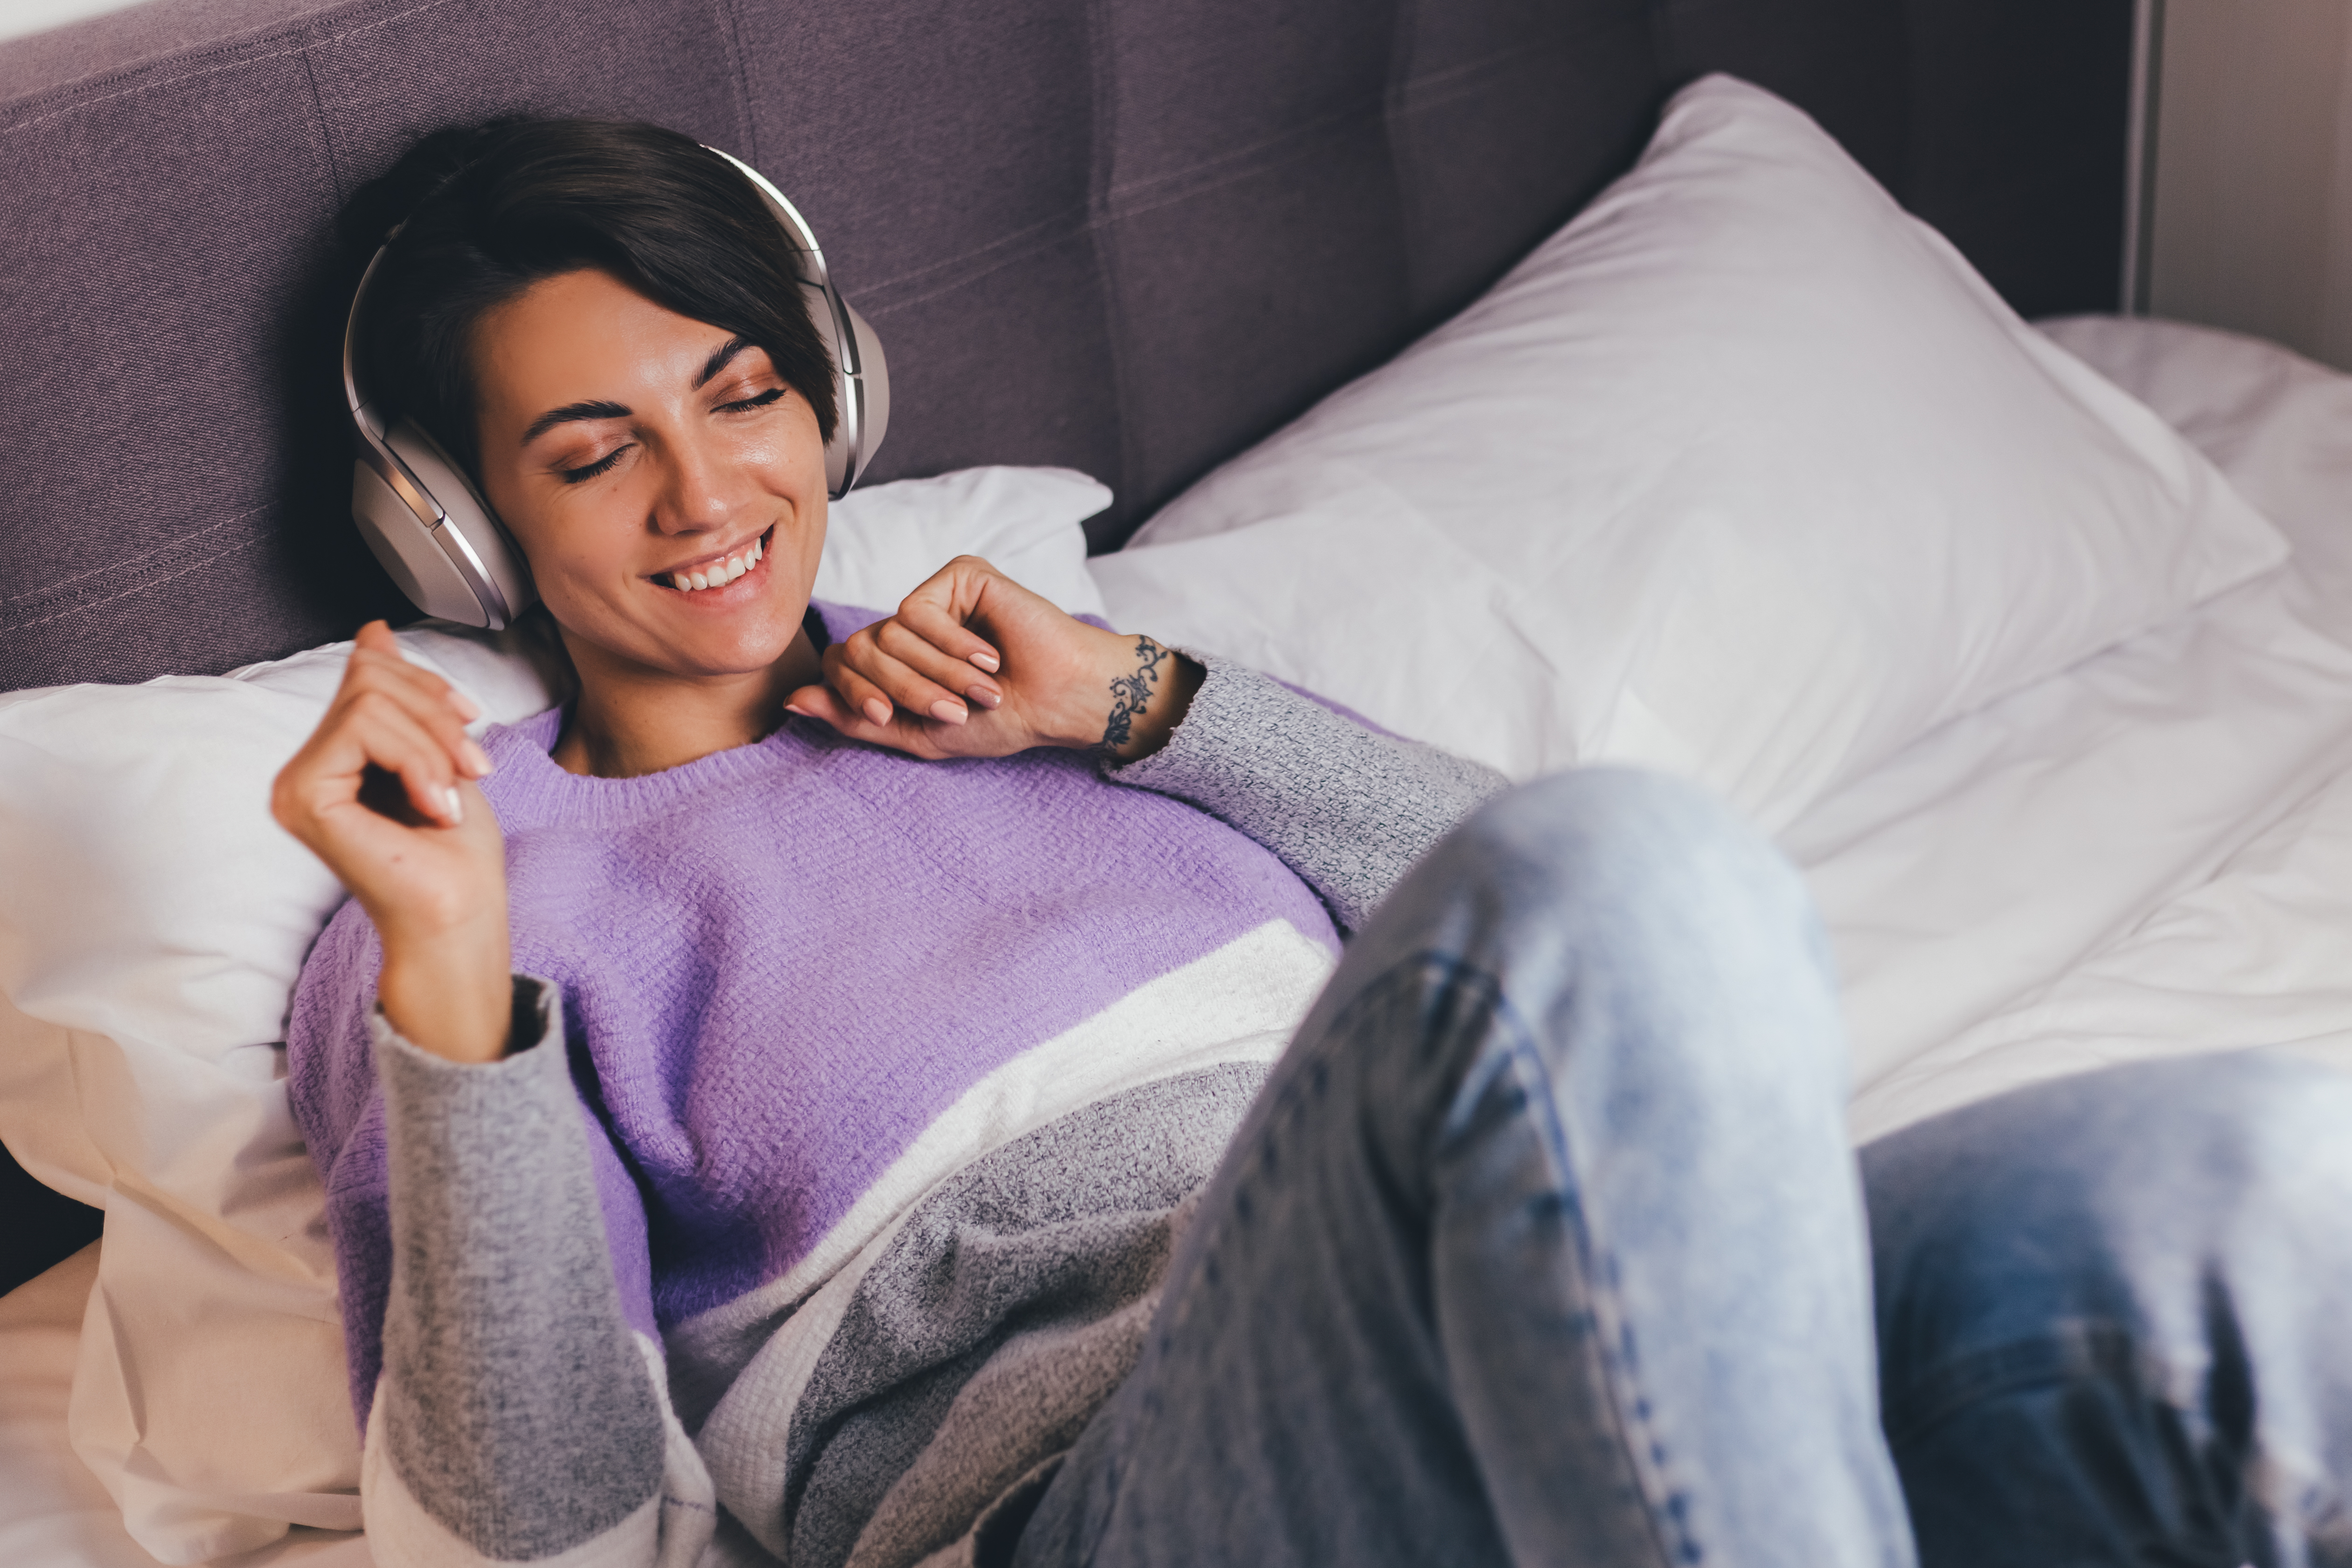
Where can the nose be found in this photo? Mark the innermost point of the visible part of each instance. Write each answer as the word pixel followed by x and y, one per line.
pixel 702 491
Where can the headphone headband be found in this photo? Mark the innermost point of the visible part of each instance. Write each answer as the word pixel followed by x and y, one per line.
pixel 436 535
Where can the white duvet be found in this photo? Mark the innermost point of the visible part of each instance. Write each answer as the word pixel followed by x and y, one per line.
pixel 2148 854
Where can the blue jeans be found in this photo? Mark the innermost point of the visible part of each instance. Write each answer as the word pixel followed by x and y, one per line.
pixel 1543 1245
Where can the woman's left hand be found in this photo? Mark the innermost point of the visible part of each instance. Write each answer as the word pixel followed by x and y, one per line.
pixel 974 665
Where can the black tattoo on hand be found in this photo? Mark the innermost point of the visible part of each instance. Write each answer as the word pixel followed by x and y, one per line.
pixel 1131 694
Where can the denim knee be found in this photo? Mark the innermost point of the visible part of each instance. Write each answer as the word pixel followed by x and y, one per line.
pixel 1599 823
pixel 1644 849
pixel 2107 1312
pixel 1631 912
pixel 2112 1196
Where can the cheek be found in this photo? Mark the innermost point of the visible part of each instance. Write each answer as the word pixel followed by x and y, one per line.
pixel 574 550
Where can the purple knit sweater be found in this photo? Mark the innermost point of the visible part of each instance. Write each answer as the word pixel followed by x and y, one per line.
pixel 778 964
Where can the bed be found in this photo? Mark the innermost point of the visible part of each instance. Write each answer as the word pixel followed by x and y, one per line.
pixel 1131 243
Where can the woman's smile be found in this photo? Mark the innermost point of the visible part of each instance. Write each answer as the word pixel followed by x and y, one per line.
pixel 707 579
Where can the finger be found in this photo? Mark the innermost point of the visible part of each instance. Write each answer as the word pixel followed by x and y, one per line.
pixel 818 702
pixel 918 651
pixel 907 687
pixel 853 685
pixel 936 611
pixel 423 696
pixel 911 736
pixel 376 641
pixel 391 738
pixel 423 681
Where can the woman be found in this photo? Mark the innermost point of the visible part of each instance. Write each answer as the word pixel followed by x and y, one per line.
pixel 811 1093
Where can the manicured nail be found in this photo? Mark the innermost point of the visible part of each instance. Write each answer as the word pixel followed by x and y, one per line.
pixel 803 712
pixel 468 709
pixel 947 711
pixel 986 660
pixel 876 710
pixel 984 697
pixel 477 760
pixel 457 804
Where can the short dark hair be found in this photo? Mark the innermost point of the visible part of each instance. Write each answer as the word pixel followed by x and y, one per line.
pixel 485 211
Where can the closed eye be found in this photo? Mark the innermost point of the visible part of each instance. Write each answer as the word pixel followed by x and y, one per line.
pixel 746 405
pixel 601 465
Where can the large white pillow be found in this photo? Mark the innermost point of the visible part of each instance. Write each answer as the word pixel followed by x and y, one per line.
pixel 1744 474
pixel 152 922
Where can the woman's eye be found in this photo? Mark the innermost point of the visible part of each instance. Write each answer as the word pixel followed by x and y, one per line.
pixel 747 403
pixel 601 465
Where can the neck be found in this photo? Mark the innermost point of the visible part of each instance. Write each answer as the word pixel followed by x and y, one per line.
pixel 631 720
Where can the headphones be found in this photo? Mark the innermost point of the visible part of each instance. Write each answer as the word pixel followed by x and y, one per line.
pixel 437 537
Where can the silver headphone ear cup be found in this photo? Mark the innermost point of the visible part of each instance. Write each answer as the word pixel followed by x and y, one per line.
pixel 404 544
pixel 842 453
pixel 874 373
pixel 476 548
pixel 861 401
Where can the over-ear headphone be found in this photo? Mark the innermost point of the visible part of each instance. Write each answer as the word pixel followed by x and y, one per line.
pixel 438 538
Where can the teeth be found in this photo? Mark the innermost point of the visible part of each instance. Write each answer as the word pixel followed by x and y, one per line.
pixel 718 576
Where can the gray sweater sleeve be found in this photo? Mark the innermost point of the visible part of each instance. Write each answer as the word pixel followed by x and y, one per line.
pixel 515 1408
pixel 1345 809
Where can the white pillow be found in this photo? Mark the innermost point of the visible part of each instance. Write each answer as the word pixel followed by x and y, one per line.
pixel 1743 473
pixel 152 922
pixel 882 542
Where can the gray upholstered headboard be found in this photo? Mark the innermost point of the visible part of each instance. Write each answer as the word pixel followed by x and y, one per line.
pixel 1126 235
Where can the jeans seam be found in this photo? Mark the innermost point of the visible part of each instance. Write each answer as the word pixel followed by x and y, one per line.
pixel 1618 1354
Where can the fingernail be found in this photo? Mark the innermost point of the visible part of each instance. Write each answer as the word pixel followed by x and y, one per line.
pixel 876 710
pixel 986 661
pixel 477 759
pixel 803 713
pixel 984 697
pixel 947 711
pixel 468 709
pixel 457 804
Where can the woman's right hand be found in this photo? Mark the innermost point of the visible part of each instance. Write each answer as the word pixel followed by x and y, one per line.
pixel 383 792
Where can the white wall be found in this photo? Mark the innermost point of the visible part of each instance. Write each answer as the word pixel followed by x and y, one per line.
pixel 18 18
pixel 2252 204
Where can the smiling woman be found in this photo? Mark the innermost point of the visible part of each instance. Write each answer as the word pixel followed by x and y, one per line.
pixel 736 1124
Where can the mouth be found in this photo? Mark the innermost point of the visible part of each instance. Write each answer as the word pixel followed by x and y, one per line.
pixel 712 574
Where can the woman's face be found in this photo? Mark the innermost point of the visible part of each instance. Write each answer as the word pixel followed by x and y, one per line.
pixel 628 449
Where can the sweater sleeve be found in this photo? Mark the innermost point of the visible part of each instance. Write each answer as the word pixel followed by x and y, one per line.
pixel 519 1417
pixel 1348 809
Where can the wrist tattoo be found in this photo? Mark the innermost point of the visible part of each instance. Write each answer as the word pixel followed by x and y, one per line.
pixel 1132 694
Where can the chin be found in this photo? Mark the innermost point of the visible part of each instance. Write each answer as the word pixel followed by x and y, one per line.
pixel 743 640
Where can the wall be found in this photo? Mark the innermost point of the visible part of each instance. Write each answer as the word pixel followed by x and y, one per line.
pixel 2252 200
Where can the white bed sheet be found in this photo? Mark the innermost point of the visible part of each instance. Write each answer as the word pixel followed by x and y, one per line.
pixel 53 1512
pixel 2148 855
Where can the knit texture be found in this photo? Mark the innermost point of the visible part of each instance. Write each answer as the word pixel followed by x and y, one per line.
pixel 1347 807
pixel 505 1291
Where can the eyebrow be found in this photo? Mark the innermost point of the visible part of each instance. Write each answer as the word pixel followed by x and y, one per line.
pixel 570 412
pixel 718 361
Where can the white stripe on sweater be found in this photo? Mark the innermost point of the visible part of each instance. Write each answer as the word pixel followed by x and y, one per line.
pixel 1238 1003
